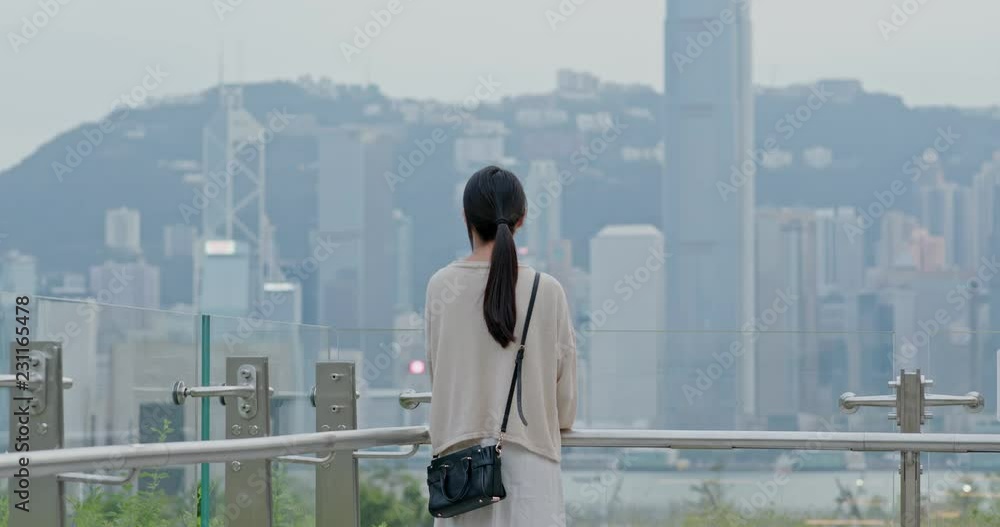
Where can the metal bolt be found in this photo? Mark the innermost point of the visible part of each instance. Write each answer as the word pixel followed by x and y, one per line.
pixel 254 430
pixel 245 373
pixel 237 430
pixel 35 362
pixel 335 376
pixel 342 427
pixel 236 466
pixel 245 407
pixel 43 428
pixel 325 428
pixel 334 408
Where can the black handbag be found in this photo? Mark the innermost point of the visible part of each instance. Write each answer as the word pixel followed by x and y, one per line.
pixel 470 478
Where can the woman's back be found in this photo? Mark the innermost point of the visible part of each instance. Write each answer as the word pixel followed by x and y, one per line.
pixel 474 315
pixel 471 372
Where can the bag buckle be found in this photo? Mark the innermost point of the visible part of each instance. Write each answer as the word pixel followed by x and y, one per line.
pixel 499 446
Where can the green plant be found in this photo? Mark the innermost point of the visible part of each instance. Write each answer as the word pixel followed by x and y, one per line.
pixel 137 506
pixel 289 504
pixel 391 497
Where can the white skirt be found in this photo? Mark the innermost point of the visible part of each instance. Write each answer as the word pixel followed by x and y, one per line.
pixel 534 494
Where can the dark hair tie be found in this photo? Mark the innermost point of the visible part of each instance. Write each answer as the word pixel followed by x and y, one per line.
pixel 503 221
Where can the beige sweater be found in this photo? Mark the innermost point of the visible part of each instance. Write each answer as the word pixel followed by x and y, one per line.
pixel 470 372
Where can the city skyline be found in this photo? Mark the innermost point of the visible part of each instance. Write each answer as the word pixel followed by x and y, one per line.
pixel 897 65
pixel 359 210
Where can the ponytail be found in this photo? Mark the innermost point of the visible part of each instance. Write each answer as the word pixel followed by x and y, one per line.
pixel 499 307
pixel 494 205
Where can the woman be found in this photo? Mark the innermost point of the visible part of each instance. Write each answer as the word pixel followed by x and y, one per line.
pixel 474 314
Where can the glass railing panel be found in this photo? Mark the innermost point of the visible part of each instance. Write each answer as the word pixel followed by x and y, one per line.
pixel 388 363
pixel 685 380
pixel 674 488
pixel 960 489
pixel 123 362
pixel 766 380
pixel 695 488
pixel 292 351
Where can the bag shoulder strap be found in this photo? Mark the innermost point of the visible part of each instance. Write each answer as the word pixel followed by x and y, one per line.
pixel 515 381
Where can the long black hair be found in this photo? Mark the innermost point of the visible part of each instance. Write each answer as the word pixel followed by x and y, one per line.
pixel 494 204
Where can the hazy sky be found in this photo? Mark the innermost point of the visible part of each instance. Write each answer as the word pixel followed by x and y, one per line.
pixel 91 52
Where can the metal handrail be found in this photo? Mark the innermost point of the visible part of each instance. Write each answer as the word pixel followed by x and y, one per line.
pixel 127 457
pixel 411 399
pixel 152 455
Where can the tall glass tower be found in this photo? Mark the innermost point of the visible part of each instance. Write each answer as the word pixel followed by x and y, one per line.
pixel 708 219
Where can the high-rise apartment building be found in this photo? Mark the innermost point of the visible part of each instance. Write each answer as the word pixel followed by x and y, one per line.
pixel 122 230
pixel 625 358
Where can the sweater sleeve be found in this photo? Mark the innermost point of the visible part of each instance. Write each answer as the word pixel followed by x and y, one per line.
pixel 566 391
pixel 430 336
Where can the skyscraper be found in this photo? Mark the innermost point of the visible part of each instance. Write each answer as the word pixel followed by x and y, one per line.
pixel 840 250
pixel 403 227
pixel 122 230
pixel 983 184
pixel 708 206
pixel 787 355
pixel 965 238
pixel 543 225
pixel 937 213
pixel 225 278
pixel 895 245
pixel 232 198
pixel 627 288
pixel 357 278
pixel 133 284
pixel 18 273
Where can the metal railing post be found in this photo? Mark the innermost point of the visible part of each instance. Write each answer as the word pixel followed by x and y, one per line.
pixel 910 404
pixel 36 423
pixel 337 488
pixel 909 417
pixel 248 481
